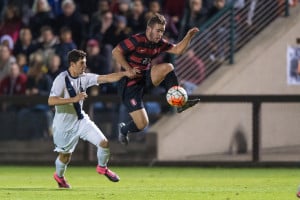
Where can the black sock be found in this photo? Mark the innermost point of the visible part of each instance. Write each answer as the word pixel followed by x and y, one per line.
pixel 171 80
pixel 130 127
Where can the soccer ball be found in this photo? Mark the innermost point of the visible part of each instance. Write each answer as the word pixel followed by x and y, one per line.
pixel 177 96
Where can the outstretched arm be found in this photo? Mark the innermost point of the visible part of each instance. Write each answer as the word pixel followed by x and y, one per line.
pixel 181 46
pixel 113 77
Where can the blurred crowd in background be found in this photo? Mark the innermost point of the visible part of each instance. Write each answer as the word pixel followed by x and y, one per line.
pixel 35 36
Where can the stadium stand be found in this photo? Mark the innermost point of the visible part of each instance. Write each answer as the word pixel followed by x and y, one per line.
pixel 224 32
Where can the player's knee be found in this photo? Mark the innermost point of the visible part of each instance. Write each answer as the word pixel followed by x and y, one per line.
pixel 169 67
pixel 104 144
pixel 143 124
pixel 65 158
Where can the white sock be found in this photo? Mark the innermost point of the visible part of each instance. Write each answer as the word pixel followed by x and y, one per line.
pixel 103 156
pixel 60 167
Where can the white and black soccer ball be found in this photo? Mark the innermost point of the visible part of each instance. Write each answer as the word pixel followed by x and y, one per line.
pixel 177 96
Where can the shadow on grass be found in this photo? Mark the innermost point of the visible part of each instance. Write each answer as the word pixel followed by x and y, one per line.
pixel 40 189
pixel 31 189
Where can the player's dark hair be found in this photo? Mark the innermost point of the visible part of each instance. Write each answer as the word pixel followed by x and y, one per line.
pixel 156 19
pixel 75 55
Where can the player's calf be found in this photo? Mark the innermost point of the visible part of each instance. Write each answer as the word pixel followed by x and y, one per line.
pixel 123 138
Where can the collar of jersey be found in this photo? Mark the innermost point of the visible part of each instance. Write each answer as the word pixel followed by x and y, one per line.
pixel 71 75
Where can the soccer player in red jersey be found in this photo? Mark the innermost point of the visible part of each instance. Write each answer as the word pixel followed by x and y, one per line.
pixel 134 54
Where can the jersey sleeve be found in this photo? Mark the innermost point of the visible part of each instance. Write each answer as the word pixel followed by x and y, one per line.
pixel 128 45
pixel 165 45
pixel 91 79
pixel 58 87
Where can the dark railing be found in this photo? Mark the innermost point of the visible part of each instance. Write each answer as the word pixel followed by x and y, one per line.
pixel 255 100
pixel 222 35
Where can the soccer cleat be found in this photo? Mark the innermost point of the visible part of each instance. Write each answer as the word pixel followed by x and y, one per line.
pixel 188 104
pixel 123 139
pixel 61 181
pixel 298 194
pixel 108 173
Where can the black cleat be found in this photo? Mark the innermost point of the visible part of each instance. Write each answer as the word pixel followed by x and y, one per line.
pixel 123 139
pixel 188 104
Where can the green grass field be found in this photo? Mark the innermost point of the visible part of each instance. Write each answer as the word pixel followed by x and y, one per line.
pixel 159 183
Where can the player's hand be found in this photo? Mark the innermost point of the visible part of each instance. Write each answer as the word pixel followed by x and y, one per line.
pixel 134 73
pixel 192 32
pixel 80 96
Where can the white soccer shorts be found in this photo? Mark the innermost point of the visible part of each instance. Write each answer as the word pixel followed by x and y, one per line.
pixel 85 129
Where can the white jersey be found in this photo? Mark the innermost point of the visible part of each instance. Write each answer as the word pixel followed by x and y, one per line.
pixel 65 115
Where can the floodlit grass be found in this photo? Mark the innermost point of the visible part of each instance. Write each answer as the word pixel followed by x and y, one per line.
pixel 159 183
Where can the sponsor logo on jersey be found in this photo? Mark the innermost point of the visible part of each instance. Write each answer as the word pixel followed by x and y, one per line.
pixel 133 102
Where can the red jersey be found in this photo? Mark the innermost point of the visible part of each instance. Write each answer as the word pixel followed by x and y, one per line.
pixel 13 87
pixel 139 51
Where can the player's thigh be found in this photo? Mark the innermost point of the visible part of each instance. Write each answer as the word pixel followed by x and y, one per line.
pixel 159 72
pixel 65 142
pixel 90 132
pixel 133 98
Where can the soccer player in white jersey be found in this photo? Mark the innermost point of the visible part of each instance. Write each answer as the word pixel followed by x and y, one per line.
pixel 70 122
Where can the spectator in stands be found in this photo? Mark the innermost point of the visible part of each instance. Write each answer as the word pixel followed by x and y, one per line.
pixel 72 19
pixel 95 22
pixel 11 22
pixel 103 5
pixel 122 8
pixel 154 7
pixel 3 5
pixel 171 28
pixel 86 8
pixel 22 62
pixel 295 65
pixel 238 4
pixel 96 61
pixel 194 16
pixel 55 7
pixel 136 19
pixel 25 45
pixel 105 28
pixel 54 66
pixel 39 83
pixel 42 16
pixel 48 42
pixel 117 32
pixel 7 41
pixel 219 37
pixel 174 10
pixel 15 82
pixel 65 45
pixel 25 8
pixel 216 7
pixel 5 61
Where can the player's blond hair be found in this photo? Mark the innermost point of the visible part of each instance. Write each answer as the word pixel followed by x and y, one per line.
pixel 156 19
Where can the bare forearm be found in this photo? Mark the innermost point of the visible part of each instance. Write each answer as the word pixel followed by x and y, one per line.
pixel 183 44
pixel 109 78
pixel 181 47
pixel 53 101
